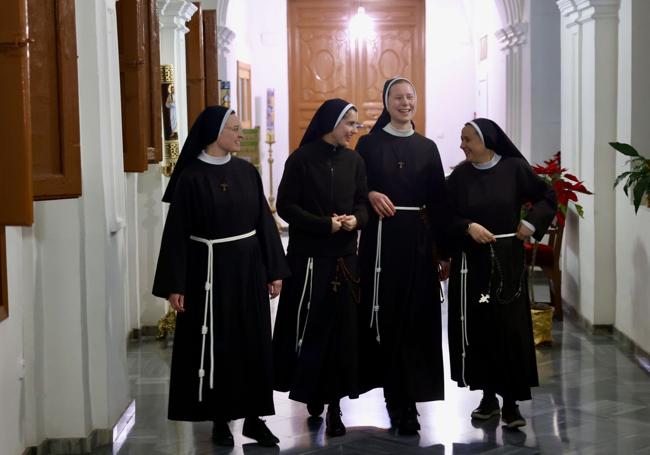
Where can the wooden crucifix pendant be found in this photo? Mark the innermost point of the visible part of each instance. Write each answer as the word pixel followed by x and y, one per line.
pixel 223 186
pixel 401 164
pixel 335 285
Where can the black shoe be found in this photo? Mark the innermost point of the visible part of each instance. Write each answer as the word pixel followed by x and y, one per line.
pixel 394 413
pixel 315 409
pixel 488 407
pixel 408 422
pixel 333 423
pixel 512 417
pixel 221 434
pixel 255 428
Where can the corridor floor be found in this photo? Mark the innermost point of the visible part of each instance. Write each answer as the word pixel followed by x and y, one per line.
pixel 593 399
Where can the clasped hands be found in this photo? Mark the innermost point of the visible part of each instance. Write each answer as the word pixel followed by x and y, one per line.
pixel 345 222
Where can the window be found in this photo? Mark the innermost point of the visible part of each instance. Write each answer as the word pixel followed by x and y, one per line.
pixel 138 38
pixel 244 94
pixel 54 99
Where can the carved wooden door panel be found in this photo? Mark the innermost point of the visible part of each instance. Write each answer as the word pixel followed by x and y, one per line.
pixel 325 63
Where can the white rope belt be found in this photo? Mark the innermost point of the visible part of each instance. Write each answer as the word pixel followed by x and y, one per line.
pixel 209 304
pixel 309 276
pixel 463 302
pixel 374 312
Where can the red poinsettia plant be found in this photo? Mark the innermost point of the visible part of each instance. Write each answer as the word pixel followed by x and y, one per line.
pixel 566 186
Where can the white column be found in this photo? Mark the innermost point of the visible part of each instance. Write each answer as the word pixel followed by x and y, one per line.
pixel 632 242
pixel 224 39
pixel 173 17
pixel 590 57
pixel 513 39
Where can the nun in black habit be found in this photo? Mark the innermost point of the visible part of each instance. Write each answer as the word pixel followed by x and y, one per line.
pixel 490 334
pixel 220 258
pixel 401 333
pixel 323 196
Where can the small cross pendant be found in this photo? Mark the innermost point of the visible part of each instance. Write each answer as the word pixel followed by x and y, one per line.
pixel 335 285
pixel 224 187
pixel 401 164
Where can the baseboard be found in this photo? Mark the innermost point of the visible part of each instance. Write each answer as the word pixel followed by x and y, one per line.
pixel 625 343
pixel 143 332
pixel 586 325
pixel 639 354
pixel 97 438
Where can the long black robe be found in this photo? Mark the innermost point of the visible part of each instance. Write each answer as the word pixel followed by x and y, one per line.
pixel 500 355
pixel 242 269
pixel 408 360
pixel 318 181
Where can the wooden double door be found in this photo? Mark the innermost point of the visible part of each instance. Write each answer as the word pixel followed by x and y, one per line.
pixel 325 63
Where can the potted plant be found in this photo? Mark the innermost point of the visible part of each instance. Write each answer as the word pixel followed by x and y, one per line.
pixel 567 187
pixel 638 179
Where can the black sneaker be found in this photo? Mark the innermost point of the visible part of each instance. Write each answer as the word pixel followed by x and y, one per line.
pixel 334 425
pixel 512 417
pixel 408 421
pixel 315 409
pixel 488 407
pixel 221 434
pixel 255 428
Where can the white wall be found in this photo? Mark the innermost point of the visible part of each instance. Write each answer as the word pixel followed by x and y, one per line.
pixel 485 21
pixel 632 242
pixel 67 275
pixel 545 103
pixel 12 386
pixel 450 76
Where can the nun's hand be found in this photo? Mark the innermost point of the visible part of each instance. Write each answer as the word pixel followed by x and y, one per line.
pixel 177 301
pixel 480 234
pixel 524 232
pixel 274 288
pixel 336 224
pixel 349 222
pixel 382 205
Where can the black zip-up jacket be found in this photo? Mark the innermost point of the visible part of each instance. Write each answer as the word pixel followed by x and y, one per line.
pixel 321 180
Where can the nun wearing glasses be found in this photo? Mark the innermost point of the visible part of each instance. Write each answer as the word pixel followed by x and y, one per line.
pixel 323 196
pixel 401 331
pixel 490 333
pixel 220 259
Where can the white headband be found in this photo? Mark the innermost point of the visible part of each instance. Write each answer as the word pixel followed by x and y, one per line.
pixel 393 82
pixel 342 114
pixel 229 112
pixel 478 130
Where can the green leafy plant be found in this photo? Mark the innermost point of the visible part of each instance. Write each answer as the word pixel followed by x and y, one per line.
pixel 638 179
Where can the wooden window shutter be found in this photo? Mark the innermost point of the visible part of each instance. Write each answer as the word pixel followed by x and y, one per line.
pixel 153 93
pixel 54 90
pixel 16 188
pixel 132 39
pixel 210 48
pixel 195 65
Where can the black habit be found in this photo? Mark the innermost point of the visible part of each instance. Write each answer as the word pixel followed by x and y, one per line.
pixel 212 202
pixel 316 357
pixel 495 336
pixel 407 360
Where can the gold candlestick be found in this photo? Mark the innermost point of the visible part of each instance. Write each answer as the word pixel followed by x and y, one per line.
pixel 270 140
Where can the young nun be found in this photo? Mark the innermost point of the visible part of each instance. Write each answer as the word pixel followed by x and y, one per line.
pixel 220 259
pixel 490 335
pixel 401 330
pixel 323 196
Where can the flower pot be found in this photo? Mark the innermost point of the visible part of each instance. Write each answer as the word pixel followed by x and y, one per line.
pixel 542 315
